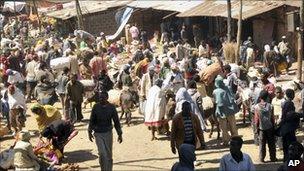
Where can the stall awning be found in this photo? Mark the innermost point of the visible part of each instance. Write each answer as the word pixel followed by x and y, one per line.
pixel 87 7
pixel 218 8
pixel 168 5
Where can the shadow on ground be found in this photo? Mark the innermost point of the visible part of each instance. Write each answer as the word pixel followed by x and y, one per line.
pixel 74 156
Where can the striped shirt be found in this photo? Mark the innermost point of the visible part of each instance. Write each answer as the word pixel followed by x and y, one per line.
pixel 189 133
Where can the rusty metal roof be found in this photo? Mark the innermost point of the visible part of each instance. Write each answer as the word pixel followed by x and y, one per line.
pixel 87 7
pixel 218 8
pixel 167 5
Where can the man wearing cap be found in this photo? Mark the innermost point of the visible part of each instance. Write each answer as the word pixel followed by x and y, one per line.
pixel 147 81
pixel 283 48
pixel 174 79
pixel 24 157
pixel 100 125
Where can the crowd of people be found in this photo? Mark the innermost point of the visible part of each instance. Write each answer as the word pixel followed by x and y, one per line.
pixel 171 86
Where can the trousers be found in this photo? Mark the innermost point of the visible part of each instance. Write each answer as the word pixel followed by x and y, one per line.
pixel 267 136
pixel 104 142
pixel 228 123
pixel 75 111
pixel 287 140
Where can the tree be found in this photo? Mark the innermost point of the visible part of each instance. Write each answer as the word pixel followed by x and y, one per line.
pixel 239 33
pixel 229 31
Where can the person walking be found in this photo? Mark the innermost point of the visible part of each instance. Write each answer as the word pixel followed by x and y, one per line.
pixel 31 68
pixel 186 128
pixel 236 160
pixel 156 108
pixel 186 158
pixel 100 125
pixel 74 94
pixel 264 120
pixel 226 109
pixel 62 81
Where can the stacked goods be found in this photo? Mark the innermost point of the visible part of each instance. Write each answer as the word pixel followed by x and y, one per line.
pixel 69 167
pixel 60 63
pixel 88 85
pixel 229 50
pixel 208 103
pixel 114 97
pixel 210 72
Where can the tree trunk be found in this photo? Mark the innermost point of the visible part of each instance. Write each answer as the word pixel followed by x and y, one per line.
pixel 239 33
pixel 79 15
pixel 300 42
pixel 229 20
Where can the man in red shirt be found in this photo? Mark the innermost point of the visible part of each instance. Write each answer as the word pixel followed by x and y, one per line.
pixel 98 64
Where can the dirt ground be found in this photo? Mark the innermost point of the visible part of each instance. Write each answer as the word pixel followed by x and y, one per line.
pixel 138 152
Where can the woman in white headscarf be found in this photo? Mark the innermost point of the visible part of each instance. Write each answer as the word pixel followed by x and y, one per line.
pixel 156 108
pixel 24 157
pixel 181 96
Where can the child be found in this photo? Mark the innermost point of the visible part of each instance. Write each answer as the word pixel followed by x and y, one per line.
pixel 277 104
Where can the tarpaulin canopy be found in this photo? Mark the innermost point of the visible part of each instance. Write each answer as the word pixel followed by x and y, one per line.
pixel 10 6
pixel 123 21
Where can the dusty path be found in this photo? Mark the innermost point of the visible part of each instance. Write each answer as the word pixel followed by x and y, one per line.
pixel 138 152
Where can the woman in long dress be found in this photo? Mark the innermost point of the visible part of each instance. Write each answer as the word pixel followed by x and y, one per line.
pixel 155 108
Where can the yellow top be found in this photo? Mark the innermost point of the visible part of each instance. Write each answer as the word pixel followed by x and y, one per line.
pixel 52 114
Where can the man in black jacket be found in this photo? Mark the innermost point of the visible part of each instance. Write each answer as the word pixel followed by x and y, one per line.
pixel 101 124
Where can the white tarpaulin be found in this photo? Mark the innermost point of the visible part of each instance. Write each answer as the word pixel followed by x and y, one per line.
pixel 10 6
pixel 123 20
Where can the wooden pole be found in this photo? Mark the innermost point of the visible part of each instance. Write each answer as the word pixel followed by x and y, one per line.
pixel 300 41
pixel 229 20
pixel 239 33
pixel 15 11
pixel 38 17
pixel 79 15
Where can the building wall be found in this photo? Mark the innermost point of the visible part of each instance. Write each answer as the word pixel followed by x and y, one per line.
pixel 271 26
pixel 101 22
pixel 148 19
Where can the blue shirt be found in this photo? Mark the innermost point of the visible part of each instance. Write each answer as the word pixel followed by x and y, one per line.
pixel 227 163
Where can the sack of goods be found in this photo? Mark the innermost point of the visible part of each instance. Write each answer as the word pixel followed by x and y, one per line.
pixel 210 72
pixel 207 103
pixel 88 85
pixel 114 97
pixel 60 63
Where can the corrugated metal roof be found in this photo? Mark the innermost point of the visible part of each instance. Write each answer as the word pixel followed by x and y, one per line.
pixel 167 5
pixel 218 8
pixel 87 7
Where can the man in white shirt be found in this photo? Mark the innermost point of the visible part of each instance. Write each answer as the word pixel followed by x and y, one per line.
pixel 31 69
pixel 236 160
